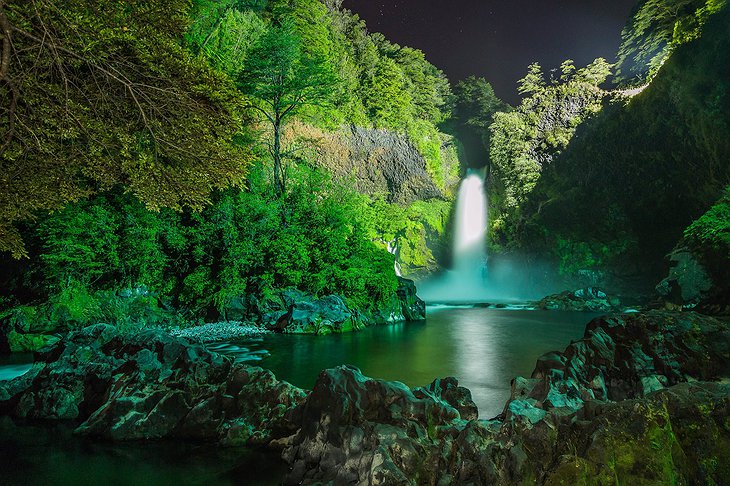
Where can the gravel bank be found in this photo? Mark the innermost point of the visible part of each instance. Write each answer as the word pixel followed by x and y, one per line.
pixel 219 331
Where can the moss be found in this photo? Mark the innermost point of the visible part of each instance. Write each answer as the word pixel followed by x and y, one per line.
pixel 24 343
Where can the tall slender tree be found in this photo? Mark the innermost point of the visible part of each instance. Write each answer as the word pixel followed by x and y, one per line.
pixel 280 80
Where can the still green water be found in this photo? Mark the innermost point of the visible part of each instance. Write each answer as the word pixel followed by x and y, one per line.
pixel 50 455
pixel 483 348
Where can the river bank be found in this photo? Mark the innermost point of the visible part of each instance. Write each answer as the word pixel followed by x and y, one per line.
pixel 583 400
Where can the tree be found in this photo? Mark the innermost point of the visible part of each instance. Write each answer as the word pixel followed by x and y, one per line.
pixel 281 79
pixel 99 94
pixel 525 141
pixel 474 109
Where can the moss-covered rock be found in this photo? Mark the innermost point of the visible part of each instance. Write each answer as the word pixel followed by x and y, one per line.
pixel 26 343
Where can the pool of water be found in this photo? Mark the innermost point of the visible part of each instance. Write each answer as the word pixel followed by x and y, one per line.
pixel 13 365
pixel 51 455
pixel 484 348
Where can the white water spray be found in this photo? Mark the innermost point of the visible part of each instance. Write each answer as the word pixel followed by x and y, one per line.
pixel 470 230
pixel 465 282
pixel 393 250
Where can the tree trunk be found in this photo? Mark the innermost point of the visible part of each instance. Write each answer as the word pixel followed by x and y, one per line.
pixel 278 172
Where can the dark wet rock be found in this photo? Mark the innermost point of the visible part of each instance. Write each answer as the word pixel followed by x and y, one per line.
pixel 359 430
pixel 306 314
pixel 688 283
pixel 616 406
pixel 150 385
pixel 632 402
pixel 295 312
pixel 413 308
pixel 627 356
pixel 589 299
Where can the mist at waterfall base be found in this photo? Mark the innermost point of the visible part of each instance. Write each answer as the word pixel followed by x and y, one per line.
pixel 475 277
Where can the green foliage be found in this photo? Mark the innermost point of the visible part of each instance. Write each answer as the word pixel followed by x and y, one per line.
pixel 411 229
pixel 640 172
pixel 656 28
pixel 476 103
pixel 225 35
pixel 316 237
pixel 525 141
pixel 712 229
pixel 99 94
pixel 575 255
pixel 74 305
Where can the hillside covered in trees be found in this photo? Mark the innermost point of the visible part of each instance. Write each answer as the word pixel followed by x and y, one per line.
pixel 605 180
pixel 201 201
pixel 187 177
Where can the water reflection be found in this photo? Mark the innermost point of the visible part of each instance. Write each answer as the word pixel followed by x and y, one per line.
pixel 483 348
pixel 14 365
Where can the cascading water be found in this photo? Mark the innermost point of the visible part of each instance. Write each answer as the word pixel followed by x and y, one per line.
pixel 465 282
pixel 393 250
pixel 470 230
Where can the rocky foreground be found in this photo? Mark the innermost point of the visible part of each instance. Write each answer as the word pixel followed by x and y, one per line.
pixel 639 400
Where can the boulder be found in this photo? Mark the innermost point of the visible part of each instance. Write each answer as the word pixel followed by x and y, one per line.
pixel 615 406
pixel 357 430
pixel 688 282
pixel 588 299
pixel 150 385
pixel 413 308
pixel 296 312
pixel 308 315
pixel 628 356
pixel 638 400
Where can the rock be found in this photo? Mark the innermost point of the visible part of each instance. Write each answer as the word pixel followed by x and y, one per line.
pixel 25 343
pixel 633 402
pixel 150 385
pixel 688 283
pixel 589 299
pixel 380 161
pixel 404 306
pixel 355 428
pixel 631 355
pixel 323 316
pixel 295 312
pixel 414 309
pixel 613 407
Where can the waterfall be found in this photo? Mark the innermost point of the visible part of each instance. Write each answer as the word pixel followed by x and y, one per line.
pixel 393 250
pixel 470 230
pixel 466 281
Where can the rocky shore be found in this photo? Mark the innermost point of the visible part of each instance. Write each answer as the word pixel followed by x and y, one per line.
pixel 639 400
pixel 219 331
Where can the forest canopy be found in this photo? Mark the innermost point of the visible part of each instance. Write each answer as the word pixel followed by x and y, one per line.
pixel 104 94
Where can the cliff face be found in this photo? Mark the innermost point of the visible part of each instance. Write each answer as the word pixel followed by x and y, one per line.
pixel 379 162
pixel 619 197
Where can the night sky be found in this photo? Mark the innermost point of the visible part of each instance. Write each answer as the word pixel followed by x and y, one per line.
pixel 498 39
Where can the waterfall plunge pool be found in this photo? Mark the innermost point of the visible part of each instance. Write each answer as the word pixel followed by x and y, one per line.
pixel 484 348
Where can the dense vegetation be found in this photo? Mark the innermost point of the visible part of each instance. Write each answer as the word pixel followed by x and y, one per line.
pixel 656 28
pixel 96 95
pixel 146 148
pixel 153 133
pixel 611 186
